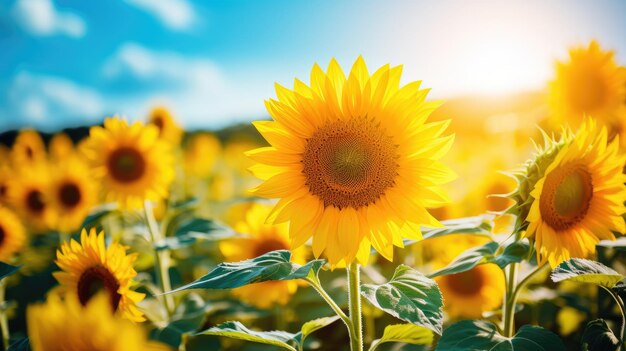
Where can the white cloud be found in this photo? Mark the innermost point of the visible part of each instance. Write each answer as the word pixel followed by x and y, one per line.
pixel 40 17
pixel 175 14
pixel 44 101
pixel 196 90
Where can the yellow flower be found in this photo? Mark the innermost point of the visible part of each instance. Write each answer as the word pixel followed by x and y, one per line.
pixel 591 83
pixel 12 234
pixel 469 294
pixel 89 267
pixel 201 153
pixel 579 200
pixel 130 161
pixel 64 325
pixel 6 174
pixel 353 161
pixel 169 130
pixel 29 195
pixel 73 194
pixel 60 146
pixel 257 239
pixel 28 147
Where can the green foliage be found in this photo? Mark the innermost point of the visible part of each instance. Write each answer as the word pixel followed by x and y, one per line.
pixel 7 269
pixel 312 326
pixel 20 345
pixel 586 271
pixel 478 225
pixel 274 265
pixel 488 253
pixel 409 296
pixel 482 335
pixel 195 230
pixel 236 330
pixel 405 333
pixel 599 337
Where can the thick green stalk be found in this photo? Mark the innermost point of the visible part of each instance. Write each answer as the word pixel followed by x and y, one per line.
pixel 508 312
pixel 162 259
pixel 354 293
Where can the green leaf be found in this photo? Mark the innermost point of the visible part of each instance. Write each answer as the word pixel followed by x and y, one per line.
pixel 586 271
pixel 274 265
pixel 405 333
pixel 20 345
pixel 7 269
pixel 512 253
pixel 482 335
pixel 478 225
pixel 599 337
pixel 312 326
pixel 409 296
pixel 236 330
pixel 620 287
pixel 96 215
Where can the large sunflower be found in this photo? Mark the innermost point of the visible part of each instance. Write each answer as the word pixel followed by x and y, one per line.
pixel 28 147
pixel 63 324
pixel 591 83
pixel 579 199
pixel 89 267
pixel 12 234
pixel 131 162
pixel 353 160
pixel 169 130
pixel 29 195
pixel 72 195
pixel 471 293
pixel 257 239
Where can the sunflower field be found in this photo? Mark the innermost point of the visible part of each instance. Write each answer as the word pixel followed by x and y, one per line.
pixel 359 215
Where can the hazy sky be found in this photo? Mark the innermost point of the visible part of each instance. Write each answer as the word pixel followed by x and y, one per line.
pixel 73 62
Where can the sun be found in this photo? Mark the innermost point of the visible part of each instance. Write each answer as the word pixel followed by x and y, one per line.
pixel 358 155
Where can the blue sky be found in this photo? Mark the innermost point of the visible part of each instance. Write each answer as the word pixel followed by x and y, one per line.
pixel 72 62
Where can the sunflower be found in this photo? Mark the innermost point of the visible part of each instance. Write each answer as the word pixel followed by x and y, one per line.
pixel 591 83
pixel 579 199
pixel 353 161
pixel 5 182
pixel 62 324
pixel 12 234
pixel 89 266
pixel 28 147
pixel 29 195
pixel 201 154
pixel 471 293
pixel 257 239
pixel 169 130
pixel 130 161
pixel 60 146
pixel 72 195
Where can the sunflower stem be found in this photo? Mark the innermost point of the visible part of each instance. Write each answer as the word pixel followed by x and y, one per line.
pixel 162 258
pixel 4 323
pixel 313 280
pixel 508 312
pixel 354 293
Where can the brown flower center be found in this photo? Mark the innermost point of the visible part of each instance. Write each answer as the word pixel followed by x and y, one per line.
pixel 29 153
pixel 34 201
pixel 269 245
pixel 466 283
pixel 2 235
pixel 126 164
pixel 96 279
pixel 566 196
pixel 158 122
pixel 350 163
pixel 69 195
